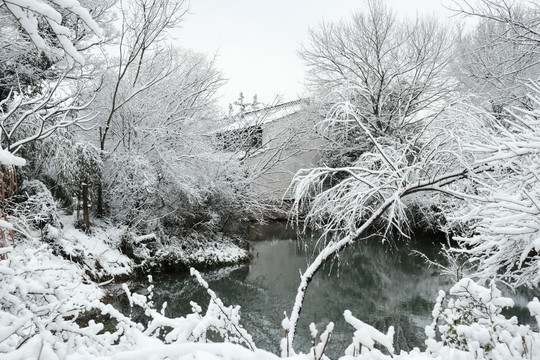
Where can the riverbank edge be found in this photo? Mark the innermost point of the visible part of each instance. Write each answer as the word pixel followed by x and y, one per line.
pixel 113 253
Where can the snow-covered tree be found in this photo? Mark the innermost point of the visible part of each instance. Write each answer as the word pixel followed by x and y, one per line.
pixel 475 171
pixel 142 40
pixel 162 161
pixel 77 166
pixel 502 213
pixel 30 115
pixel 37 98
pixel 499 55
pixel 26 119
pixel 520 16
pixel 481 177
pixel 163 115
pixel 143 28
pixel 393 71
pixel 38 37
pixel 239 107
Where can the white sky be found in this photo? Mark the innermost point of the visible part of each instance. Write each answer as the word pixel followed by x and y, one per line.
pixel 256 42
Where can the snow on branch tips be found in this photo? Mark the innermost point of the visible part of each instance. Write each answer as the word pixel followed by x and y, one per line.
pixel 366 335
pixel 8 159
pixel 25 120
pixel 28 13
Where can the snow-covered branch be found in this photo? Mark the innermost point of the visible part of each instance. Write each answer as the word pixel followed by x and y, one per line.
pixel 26 119
pixel 29 13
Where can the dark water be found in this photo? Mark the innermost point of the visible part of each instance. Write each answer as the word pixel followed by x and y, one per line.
pixel 380 284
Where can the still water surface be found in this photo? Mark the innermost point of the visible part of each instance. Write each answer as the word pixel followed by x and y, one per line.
pixel 382 285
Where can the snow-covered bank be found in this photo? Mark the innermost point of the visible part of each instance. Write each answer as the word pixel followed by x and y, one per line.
pixel 113 251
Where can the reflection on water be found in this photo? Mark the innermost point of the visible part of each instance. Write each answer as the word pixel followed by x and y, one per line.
pixel 381 285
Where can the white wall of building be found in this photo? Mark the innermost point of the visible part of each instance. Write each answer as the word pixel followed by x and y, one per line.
pixel 290 143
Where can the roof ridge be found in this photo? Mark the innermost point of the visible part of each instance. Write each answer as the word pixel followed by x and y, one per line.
pixel 264 115
pixel 271 107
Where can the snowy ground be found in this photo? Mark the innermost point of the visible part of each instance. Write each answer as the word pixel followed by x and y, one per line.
pixel 98 252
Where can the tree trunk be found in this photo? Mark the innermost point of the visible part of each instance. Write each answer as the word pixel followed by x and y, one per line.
pixel 99 205
pixel 78 206
pixel 86 216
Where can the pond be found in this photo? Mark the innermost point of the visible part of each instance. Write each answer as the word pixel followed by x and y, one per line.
pixel 380 284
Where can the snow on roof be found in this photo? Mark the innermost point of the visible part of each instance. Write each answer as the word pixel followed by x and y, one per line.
pixel 265 115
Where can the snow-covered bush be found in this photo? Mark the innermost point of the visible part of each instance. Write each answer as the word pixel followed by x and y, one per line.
pixel 470 320
pixel 162 253
pixel 34 207
pixel 41 296
pixel 200 250
pixel 130 187
pixel 175 196
pixel 223 321
pixel 365 337
pixel 75 162
pixel 49 310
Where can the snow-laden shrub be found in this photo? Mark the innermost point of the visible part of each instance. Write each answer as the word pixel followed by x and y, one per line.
pixel 218 320
pixel 365 337
pixel 162 252
pixel 40 298
pixel 130 188
pixel 204 193
pixel 75 163
pixel 34 207
pixel 47 306
pixel 172 195
pixel 470 320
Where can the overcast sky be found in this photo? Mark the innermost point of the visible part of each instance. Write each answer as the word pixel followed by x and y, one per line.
pixel 256 42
